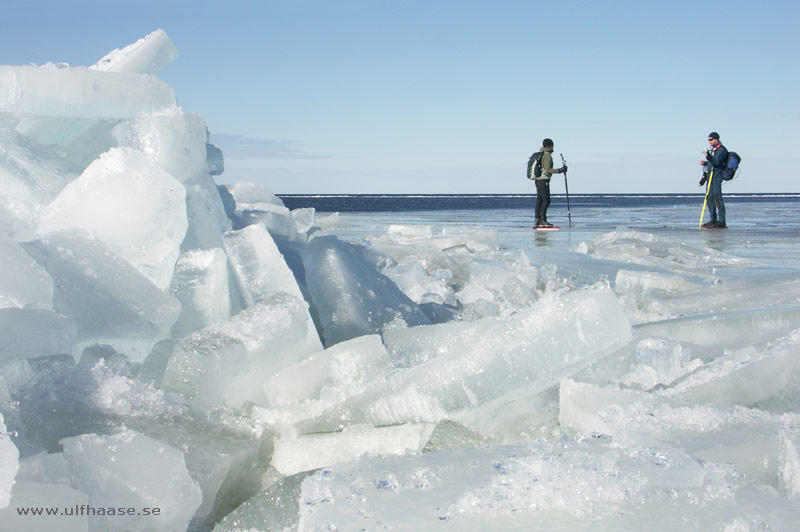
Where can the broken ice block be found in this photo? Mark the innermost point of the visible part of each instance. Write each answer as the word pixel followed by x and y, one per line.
pixel 462 365
pixel 332 375
pixel 768 380
pixel 110 302
pixel 747 438
pixel 29 497
pixel 59 91
pixel 645 285
pixel 47 468
pixel 23 282
pixel 246 194
pixel 727 330
pixel 202 284
pixel 170 138
pixel 313 451
pixel 228 362
pixel 132 470
pixel 351 296
pixel 277 219
pixel 789 466
pixel 276 508
pixel 135 208
pixel 9 464
pixel 36 333
pixel 206 213
pixel 258 264
pixel 261 270
pixel 148 55
pixel 226 463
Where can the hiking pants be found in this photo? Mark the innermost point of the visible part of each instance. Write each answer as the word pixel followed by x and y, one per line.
pixel 542 198
pixel 716 206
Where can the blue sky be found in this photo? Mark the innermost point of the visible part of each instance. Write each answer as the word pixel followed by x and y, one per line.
pixel 453 96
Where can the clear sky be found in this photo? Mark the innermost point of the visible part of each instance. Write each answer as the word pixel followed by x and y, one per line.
pixel 434 96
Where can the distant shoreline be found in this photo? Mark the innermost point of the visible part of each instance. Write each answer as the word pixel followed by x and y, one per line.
pixel 445 202
pixel 594 195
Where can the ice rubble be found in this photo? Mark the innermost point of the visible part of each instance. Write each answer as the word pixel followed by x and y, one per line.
pixel 165 341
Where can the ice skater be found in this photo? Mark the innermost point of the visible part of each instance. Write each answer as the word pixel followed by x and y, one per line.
pixel 543 184
pixel 716 159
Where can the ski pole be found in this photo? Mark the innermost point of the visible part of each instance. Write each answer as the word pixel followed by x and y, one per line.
pixel 705 201
pixel 566 188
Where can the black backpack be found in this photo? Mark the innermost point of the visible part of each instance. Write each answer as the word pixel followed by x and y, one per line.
pixel 535 164
pixel 731 165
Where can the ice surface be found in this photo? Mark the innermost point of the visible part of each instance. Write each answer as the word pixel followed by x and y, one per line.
pixel 656 251
pixel 110 302
pixel 350 295
pixel 131 469
pixel 135 208
pixel 748 439
pixel 566 485
pixel 9 464
pixel 401 240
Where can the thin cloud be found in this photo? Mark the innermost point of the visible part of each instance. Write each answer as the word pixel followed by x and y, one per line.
pixel 239 146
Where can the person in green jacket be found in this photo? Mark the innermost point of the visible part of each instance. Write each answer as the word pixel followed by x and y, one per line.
pixel 543 184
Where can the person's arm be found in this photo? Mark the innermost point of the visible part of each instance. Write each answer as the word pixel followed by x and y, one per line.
pixel 719 158
pixel 547 164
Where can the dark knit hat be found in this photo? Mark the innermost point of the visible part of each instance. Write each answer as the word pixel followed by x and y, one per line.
pixel 713 135
pixel 547 143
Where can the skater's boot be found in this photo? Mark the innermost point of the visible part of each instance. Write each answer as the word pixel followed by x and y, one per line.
pixel 545 223
pixel 537 223
pixel 709 225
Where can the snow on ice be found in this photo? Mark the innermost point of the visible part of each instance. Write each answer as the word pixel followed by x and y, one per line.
pixel 167 342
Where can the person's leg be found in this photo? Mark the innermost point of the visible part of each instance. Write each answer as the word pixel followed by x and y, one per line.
pixel 539 201
pixel 545 194
pixel 719 204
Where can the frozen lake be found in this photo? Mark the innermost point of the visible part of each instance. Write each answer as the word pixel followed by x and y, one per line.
pixel 763 231
pixel 181 355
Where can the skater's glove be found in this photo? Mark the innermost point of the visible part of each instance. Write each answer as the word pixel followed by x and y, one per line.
pixel 563 169
pixel 705 151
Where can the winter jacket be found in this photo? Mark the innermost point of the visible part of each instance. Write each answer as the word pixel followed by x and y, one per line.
pixel 547 164
pixel 717 158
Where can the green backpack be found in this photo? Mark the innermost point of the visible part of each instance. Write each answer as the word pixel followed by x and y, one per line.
pixel 535 165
